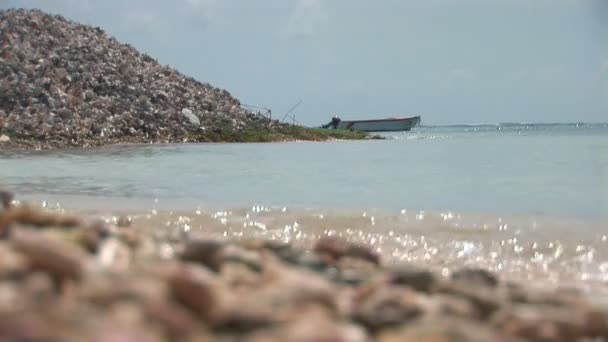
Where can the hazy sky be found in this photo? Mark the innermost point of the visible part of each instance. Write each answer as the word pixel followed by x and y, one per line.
pixel 467 61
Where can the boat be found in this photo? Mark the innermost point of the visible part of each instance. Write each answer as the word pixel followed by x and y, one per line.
pixel 394 124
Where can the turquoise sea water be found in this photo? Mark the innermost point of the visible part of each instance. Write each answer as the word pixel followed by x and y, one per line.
pixel 510 169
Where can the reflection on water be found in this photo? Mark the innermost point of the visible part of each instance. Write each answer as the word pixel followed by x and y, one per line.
pixel 560 172
pixel 546 250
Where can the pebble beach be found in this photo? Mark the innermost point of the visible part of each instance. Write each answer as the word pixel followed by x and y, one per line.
pixel 65 277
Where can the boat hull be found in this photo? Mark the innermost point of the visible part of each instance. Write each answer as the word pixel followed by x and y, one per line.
pixel 381 125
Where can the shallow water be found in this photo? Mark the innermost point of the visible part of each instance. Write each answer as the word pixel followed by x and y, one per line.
pixel 555 170
pixel 530 202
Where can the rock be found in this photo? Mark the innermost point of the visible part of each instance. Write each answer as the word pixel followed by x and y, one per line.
pixel 25 327
pixel 6 199
pixel 36 217
pixel 417 279
pixel 338 248
pixel 160 289
pixel 523 295
pixel 475 276
pixel 485 301
pixel 456 307
pixel 205 252
pixel 65 113
pixel 236 254
pixel 190 116
pixel 123 221
pixel 115 332
pixel 4 138
pixel 292 288
pixel 109 288
pixel 272 245
pixel 542 323
pixel 312 329
pixel 238 275
pixel 387 307
pixel 243 315
pixel 332 247
pixel 442 330
pixel 364 253
pixel 312 261
pixel 197 289
pixel 284 251
pixel 352 271
pixel 60 259
pixel 131 237
pixel 12 264
pixel 595 322
pixel 114 254
pixel 177 322
pixel 40 287
pixel 89 239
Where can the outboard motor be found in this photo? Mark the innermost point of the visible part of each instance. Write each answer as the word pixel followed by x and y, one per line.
pixel 333 123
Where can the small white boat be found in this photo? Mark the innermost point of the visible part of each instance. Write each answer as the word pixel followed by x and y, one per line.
pixel 375 125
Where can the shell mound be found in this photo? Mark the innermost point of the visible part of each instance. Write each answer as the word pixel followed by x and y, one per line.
pixel 66 84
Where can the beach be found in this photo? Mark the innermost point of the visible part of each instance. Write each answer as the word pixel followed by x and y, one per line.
pixel 141 204
pixel 176 276
pixel 504 254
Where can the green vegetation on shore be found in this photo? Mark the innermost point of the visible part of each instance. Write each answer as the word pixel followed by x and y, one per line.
pixel 225 135
pixel 285 133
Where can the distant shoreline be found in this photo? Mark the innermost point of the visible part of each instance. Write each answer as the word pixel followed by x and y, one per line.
pixel 521 124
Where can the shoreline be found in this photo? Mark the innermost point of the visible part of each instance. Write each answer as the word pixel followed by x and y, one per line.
pixel 116 202
pixel 540 248
pixel 302 134
pixel 124 277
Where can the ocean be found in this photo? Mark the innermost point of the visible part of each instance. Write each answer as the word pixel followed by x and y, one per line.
pixel 529 201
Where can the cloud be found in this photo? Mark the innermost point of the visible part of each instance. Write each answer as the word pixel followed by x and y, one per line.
pixel 544 74
pixel 549 74
pixel 307 19
pixel 147 21
pixel 604 80
pixel 161 19
pixel 462 74
pixel 158 18
pixel 204 7
pixel 198 11
pixel 4 4
pixel 63 7
pixel 599 10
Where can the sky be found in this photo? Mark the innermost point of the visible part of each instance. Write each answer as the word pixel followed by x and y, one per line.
pixel 452 62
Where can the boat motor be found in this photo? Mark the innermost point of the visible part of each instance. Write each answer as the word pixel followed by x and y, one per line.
pixel 333 123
